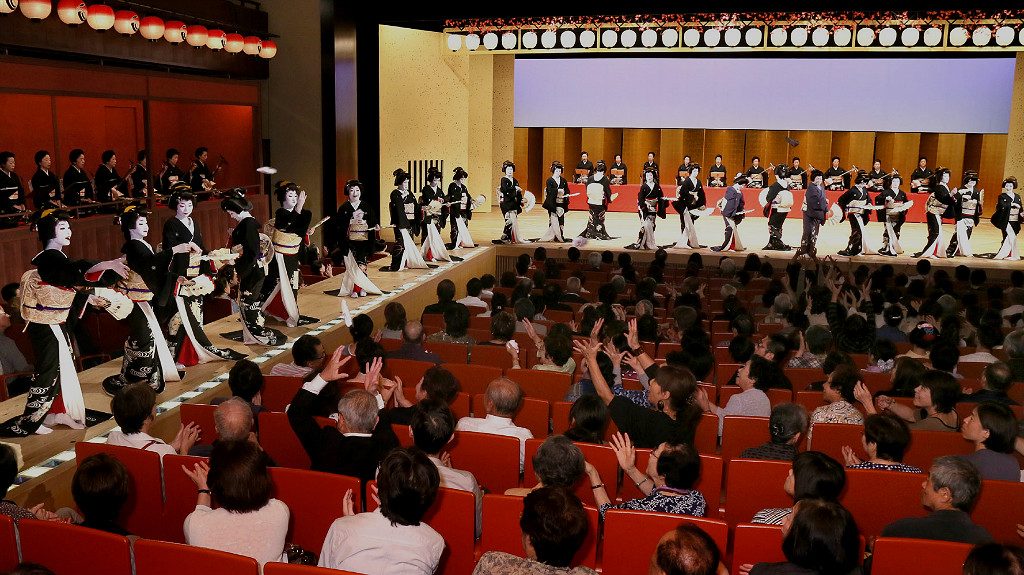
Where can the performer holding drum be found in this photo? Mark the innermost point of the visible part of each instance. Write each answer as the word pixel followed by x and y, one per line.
pixel 1007 219
pixel 280 292
pixel 651 205
pixel 893 213
pixel 967 209
pixel 460 206
pixel 815 210
pixel 599 195
pixel 435 212
pixel 556 202
pixel 690 200
pixel 511 198
pixel 357 226
pixel 855 204
pixel 777 201
pixel 405 217
pixel 939 206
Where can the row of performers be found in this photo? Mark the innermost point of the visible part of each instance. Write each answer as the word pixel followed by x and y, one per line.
pixel 159 293
pixel 834 178
pixel 963 206
pixel 78 188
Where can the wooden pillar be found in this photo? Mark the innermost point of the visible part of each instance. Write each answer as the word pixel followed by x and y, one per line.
pixel 1014 164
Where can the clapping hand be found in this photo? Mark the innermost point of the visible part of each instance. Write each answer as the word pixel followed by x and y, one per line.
pixel 702 400
pixel 373 374
pixel 589 349
pixel 850 457
pixel 625 453
pixel 595 332
pixel 333 370
pixel 198 474
pixel 348 504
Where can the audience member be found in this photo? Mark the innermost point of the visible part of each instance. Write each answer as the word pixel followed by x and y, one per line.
pixel 498 303
pixel 686 550
pixel 934 403
pixel 445 297
pixel 12 360
pixel 100 488
pixel 588 420
pixel 456 323
pixel 437 385
pixel 990 336
pixel 921 339
pixel 502 401
pixel 890 330
pixel 234 422
pixel 473 288
pixel 393 538
pixel 814 346
pixel 412 345
pixel 997 380
pixel 949 493
pixel 554 526
pixel 821 538
pixel 246 382
pixel 839 398
pixel 248 520
pixel 8 475
pixel 992 428
pixel 308 355
pixel 751 401
pixel 558 462
pixel 787 427
pixel 667 484
pixel 360 330
pixel 995 559
pixel 11 296
pixel 433 428
pixel 394 321
pixel 885 440
pixel 882 358
pixel 487 285
pixel 554 351
pixel 134 409
pixel 525 311
pixel 906 376
pixel 572 291
pixel 814 475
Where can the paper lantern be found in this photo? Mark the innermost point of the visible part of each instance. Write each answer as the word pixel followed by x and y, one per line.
pixel 1005 35
pixel 472 42
pixel 175 32
pixel 670 37
pixel 100 17
pixel 252 46
pixel 865 36
pixel 733 36
pixel 628 38
pixel 72 12
pixel 234 43
pixel 530 39
pixel 887 36
pixel 932 36
pixel 691 37
pixel 567 38
pixel 778 37
pixel 819 37
pixel 126 22
pixel 8 6
pixel 753 37
pixel 609 37
pixel 269 49
pixel 842 36
pixel 712 37
pixel 649 38
pixel 217 40
pixel 36 9
pixel 490 40
pixel 799 36
pixel 548 38
pixel 508 41
pixel 196 35
pixel 151 28
pixel 910 36
pixel 588 38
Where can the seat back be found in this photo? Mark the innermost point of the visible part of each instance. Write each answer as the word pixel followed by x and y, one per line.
pixel 631 537
pixel 534 414
pixel 162 558
pixel 724 372
pixel 180 494
pixel 811 400
pixel 296 569
pixel 143 513
pixel 449 352
pixel 473 379
pixel 756 543
pixel 706 437
pixel 278 390
pixel 493 355
pixel 551 386
pixel 998 509
pixel 432 322
pixel 830 438
pixel 740 433
pixel 752 485
pixel 410 371
pixel 202 415
pixel 280 442
pixel 8 544
pixel 65 548
pixel 925 446
pixel 777 396
pixel 903 497
pixel 315 499
pixel 492 459
pixel 501 529
pixel 899 556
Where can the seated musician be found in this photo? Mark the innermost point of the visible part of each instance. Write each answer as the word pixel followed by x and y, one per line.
pixel 652 165
pixel 618 171
pixel 584 168
pixel 684 170
pixel 876 177
pixel 797 175
pixel 836 178
pixel 716 173
pixel 755 173
pixel 920 179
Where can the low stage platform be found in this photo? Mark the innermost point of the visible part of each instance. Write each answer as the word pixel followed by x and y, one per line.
pixel 48 459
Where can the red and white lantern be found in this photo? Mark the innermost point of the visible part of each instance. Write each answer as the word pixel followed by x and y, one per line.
pixel 151 28
pixel 197 35
pixel 175 32
pixel 35 9
pixel 217 40
pixel 234 43
pixel 100 17
pixel 72 12
pixel 8 6
pixel 269 49
pixel 126 22
pixel 252 46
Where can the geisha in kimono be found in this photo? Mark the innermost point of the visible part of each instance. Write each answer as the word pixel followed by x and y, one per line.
pixel 281 286
pixel 357 225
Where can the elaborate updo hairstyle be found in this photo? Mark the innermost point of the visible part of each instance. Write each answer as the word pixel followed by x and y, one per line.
pixel 969 176
pixel 1010 180
pixel 281 189
pixel 433 173
pixel 557 165
pixel 235 201
pixel 400 177
pixel 506 164
pixel 45 223
pixel 353 184
pixel 458 173
pixel 180 192
pixel 937 176
pixel 129 218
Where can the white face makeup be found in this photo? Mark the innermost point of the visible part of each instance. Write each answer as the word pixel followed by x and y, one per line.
pixel 649 176
pixel 945 178
pixel 404 186
pixel 557 173
pixel 183 210
pixel 291 198
pixel 894 184
pixel 354 193
pixel 462 181
pixel 1008 188
pixel 694 172
pixel 62 235
pixel 141 229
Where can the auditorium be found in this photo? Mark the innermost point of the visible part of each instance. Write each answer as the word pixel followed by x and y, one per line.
pixel 298 287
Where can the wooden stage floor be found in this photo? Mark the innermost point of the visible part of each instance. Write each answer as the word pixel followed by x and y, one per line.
pixel 48 459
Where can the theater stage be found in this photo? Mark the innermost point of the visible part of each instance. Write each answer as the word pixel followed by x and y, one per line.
pixel 48 459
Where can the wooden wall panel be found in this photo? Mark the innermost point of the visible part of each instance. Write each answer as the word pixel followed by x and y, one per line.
pixel 815 148
pixel 528 149
pixel 950 153
pixel 898 150
pixel 729 143
pixel 602 143
pixel 636 142
pixel 862 149
pixel 986 153
pixel 564 145
pixel 929 148
pixel 673 146
pixel 755 144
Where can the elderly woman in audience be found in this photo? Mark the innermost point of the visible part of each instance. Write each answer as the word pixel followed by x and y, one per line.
pixel 456 323
pixel 134 410
pixel 814 475
pixel 755 375
pixel 554 526
pixel 588 420
pixel 815 344
pixel 100 489
pixel 667 484
pixel 671 391
pixel 394 321
pixel 934 403
pixel 885 440
pixel 686 550
pixel 839 398
pixel 821 538
pixel 503 329
pixel 787 427
pixel 906 376
pixel 393 538
pixel 437 385
pixel 557 463
pixel 247 521
pixel 554 351
pixel 992 428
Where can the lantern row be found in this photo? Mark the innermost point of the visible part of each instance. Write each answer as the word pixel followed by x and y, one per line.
pixel 102 17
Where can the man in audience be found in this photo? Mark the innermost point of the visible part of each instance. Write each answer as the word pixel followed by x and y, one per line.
pixel 12 360
pixel 412 345
pixel 1013 312
pixel 134 409
pixel 487 285
pixel 393 538
pixel 234 422
pixel 456 322
pixel 553 298
pixel 437 385
pixel 686 550
pixel 949 493
pixel 245 382
pixel 100 488
pixel 997 380
pixel 525 310
pixel 473 289
pixel 356 444
pixel 1013 345
pixel 943 357
pixel 814 346
pixel 308 355
pixel 433 427
pixel 503 399
pixel 572 291
pixel 445 297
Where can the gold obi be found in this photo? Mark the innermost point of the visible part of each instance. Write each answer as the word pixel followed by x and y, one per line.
pixel 194 260
pixel 970 207
pixel 44 303
pixel 286 243
pixel 358 231
pixel 1014 213
pixel 934 206
pixel 135 288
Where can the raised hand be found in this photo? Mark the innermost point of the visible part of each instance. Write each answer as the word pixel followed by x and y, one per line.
pixel 198 474
pixel 625 453
pixel 348 504
pixel 333 370
pixel 849 456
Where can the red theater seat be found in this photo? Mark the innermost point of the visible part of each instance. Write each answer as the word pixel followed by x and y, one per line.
pixel 999 509
pixel 180 494
pixel 409 371
pixel 706 438
pixel 493 355
pixel 296 569
pixel 474 379
pixel 752 485
pixel 143 514
pixel 201 415
pixel 925 446
pixel 315 500
pixel 278 391
pixel 534 414
pixel 492 459
pixel 547 385
pixel 449 352
pixel 740 433
pixel 280 442
pixel 803 377
pixel 829 438
pixel 756 543
pixel 65 548
pixel 160 558
pixel 501 529
pixel 630 537
pixel 873 510
pixel 8 544
pixel 899 556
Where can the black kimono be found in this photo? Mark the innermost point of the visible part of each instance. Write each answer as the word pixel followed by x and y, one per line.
pixel 188 340
pixel 281 287
pixel 922 179
pixel 511 205
pixel 623 178
pixel 588 166
pixel 893 221
pixel 966 208
pixel 691 197
pixel 682 174
pixel 598 204
pixel 427 195
pixel 107 180
pixel 652 166
pixel 732 215
pixel 170 175
pixel 200 173
pixel 356 224
pixel 1007 219
pixel 797 178
pixel 858 194
pixel 45 189
pixel 651 204
pixel 876 180
pixel 249 267
pixel 939 205
pixel 776 219
pixel 756 170
pixel 140 182
pixel 840 179
pixel 406 217
pixel 12 198
pixel 77 187
pixel 461 207
pixel 814 216
pixel 556 202
pixel 716 181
